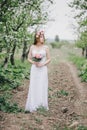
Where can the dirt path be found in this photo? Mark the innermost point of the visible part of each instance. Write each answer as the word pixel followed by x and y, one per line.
pixel 67 100
pixel 81 102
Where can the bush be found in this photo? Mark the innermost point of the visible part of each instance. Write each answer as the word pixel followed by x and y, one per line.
pixel 11 78
pixel 83 72
pixel 81 64
pixel 6 106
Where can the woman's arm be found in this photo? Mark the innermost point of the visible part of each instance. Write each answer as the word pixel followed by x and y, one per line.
pixel 30 56
pixel 48 56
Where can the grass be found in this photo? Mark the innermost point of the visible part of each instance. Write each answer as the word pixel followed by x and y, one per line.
pixel 57 127
pixel 81 64
pixel 50 89
pixel 63 92
pixel 42 110
pixel 59 44
pixel 38 120
pixel 79 61
pixel 9 107
pixel 58 94
pixel 82 128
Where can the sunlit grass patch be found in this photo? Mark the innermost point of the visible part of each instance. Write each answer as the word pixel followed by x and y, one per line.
pixel 50 89
pixel 81 127
pixel 43 111
pixel 38 120
pixel 63 92
pixel 81 64
pixel 60 93
pixel 79 61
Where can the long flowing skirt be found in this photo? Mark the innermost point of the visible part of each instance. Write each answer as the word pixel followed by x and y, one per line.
pixel 38 89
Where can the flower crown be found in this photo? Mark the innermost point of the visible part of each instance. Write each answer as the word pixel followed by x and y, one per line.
pixel 40 33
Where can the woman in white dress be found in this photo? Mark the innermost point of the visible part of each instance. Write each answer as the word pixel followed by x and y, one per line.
pixel 39 57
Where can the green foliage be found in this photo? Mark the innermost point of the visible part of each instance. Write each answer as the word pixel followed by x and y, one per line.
pixel 81 63
pixel 82 41
pixel 6 106
pixel 42 110
pixel 11 77
pixel 82 128
pixel 83 72
pixel 59 44
pixel 80 6
pixel 63 92
pixel 16 18
pixel 80 44
pixel 60 93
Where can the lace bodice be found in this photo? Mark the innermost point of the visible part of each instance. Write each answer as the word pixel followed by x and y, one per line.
pixel 42 52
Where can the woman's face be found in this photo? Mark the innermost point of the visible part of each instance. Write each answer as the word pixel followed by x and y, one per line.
pixel 40 37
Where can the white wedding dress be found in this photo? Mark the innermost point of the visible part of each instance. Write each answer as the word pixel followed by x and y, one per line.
pixel 38 87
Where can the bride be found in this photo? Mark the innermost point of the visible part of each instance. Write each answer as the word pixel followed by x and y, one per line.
pixel 39 57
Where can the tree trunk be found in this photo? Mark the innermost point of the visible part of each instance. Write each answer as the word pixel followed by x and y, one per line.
pixel 83 50
pixel 0 49
pixel 24 51
pixel 5 64
pixel 86 52
pixel 12 54
pixel 27 53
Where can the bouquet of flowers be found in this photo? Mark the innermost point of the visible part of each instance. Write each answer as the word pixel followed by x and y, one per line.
pixel 37 58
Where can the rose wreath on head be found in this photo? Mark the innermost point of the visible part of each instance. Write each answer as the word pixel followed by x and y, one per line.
pixel 40 33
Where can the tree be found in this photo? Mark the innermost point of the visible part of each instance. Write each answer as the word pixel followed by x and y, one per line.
pixel 80 8
pixel 57 38
pixel 15 17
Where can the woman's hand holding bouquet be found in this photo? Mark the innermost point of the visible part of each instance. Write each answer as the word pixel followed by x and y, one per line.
pixel 37 58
